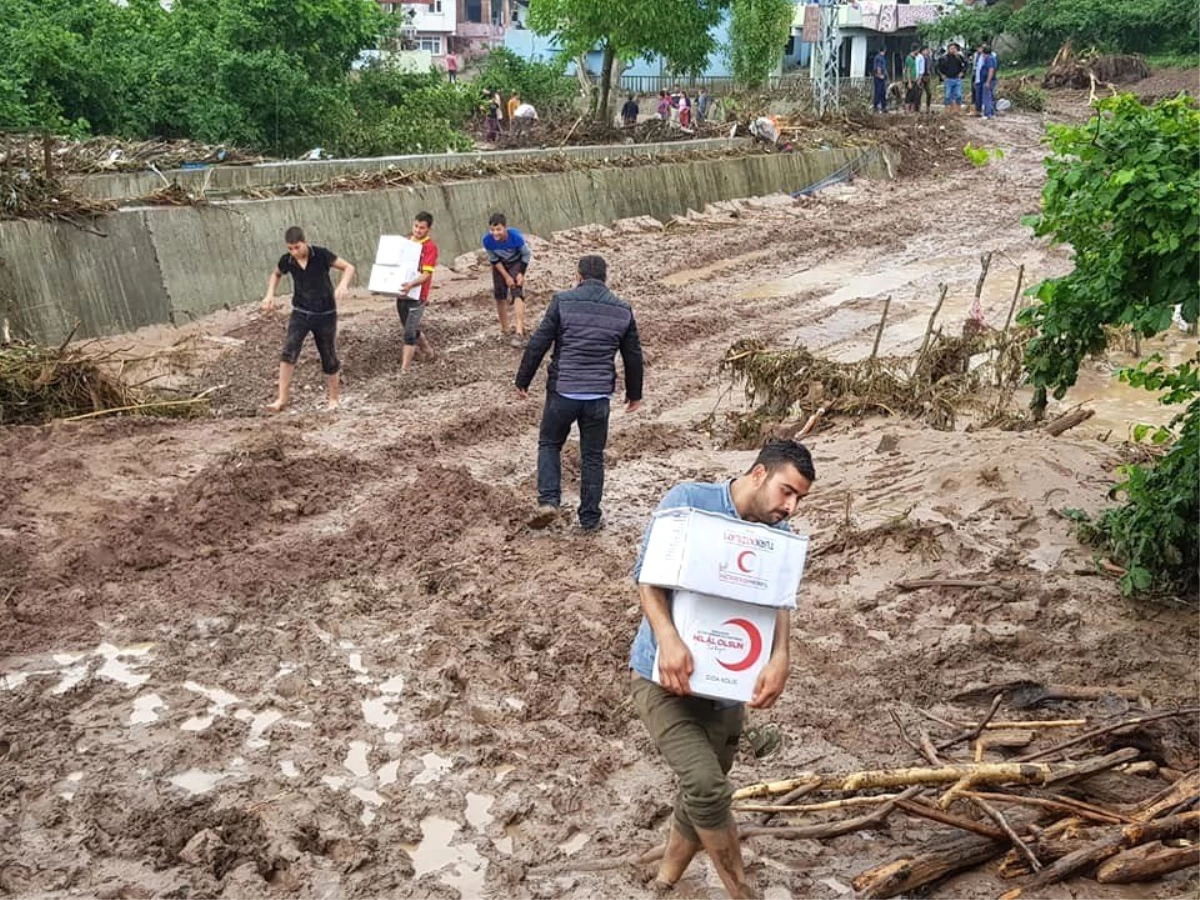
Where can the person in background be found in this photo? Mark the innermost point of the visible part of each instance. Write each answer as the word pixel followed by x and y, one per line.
pixel 511 110
pixel 451 68
pixel 492 123
pixel 523 118
pixel 951 67
pixel 664 105
pixel 926 67
pixel 509 255
pixel 314 309
pixel 703 105
pixel 410 310
pixel 987 82
pixel 587 327
pixel 879 79
pixel 912 80
pixel 685 110
pixel 629 112
pixel 977 81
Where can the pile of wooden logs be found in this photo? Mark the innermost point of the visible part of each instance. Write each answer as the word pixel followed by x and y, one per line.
pixel 1117 800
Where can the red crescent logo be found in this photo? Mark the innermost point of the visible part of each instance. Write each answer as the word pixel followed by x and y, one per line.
pixel 742 564
pixel 756 645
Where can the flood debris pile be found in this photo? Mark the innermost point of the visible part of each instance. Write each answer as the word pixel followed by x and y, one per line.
pixel 28 192
pixel 1081 70
pixel 109 154
pixel 1042 800
pixel 40 384
pixel 978 370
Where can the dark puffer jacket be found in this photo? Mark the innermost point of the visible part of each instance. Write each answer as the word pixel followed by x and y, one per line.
pixel 587 326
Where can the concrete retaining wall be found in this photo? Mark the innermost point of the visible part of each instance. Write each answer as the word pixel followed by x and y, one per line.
pixel 220 180
pixel 174 263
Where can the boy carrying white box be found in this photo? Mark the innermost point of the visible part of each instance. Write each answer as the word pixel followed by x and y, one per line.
pixel 760 569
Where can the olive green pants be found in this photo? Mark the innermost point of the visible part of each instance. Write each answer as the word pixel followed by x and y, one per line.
pixel 699 740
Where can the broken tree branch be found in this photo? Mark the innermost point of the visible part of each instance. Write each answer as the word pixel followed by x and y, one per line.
pixel 994 814
pixel 1068 421
pixel 1128 836
pixel 1148 862
pixel 1107 729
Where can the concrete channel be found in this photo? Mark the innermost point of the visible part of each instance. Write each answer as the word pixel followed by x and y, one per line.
pixel 148 265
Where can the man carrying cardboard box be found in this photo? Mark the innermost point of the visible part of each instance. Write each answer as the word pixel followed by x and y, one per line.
pixel 699 736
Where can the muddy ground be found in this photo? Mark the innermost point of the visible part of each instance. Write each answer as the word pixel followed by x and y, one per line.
pixel 322 655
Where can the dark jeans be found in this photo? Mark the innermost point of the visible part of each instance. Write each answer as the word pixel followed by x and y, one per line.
pixel 879 104
pixel 411 312
pixel 324 331
pixel 558 415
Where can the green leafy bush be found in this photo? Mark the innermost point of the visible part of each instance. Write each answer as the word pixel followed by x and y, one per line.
pixel 543 84
pixel 1119 26
pixel 1124 192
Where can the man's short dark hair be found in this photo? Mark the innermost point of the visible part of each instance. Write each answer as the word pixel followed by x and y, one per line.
pixel 425 217
pixel 778 453
pixel 987 48
pixel 497 219
pixel 593 267
pixel 955 46
pixel 294 235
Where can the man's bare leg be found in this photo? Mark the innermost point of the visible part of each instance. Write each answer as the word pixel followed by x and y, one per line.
pixel 335 389
pixel 285 387
pixel 726 855
pixel 425 347
pixel 406 357
pixel 676 858
pixel 519 311
pixel 502 312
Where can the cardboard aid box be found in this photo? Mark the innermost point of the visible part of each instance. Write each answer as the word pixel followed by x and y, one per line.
pixel 728 578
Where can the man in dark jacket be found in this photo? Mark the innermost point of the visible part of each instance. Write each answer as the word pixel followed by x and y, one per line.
pixel 586 326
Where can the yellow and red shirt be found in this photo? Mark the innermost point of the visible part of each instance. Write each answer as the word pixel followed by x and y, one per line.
pixel 429 257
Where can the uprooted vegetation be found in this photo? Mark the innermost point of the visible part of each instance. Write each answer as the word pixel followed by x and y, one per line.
pixel 40 384
pixel 977 371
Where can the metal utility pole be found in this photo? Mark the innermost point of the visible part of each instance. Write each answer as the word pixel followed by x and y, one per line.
pixel 825 84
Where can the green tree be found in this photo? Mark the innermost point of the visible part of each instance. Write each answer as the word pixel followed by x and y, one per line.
pixel 758 32
pixel 1124 192
pixel 678 30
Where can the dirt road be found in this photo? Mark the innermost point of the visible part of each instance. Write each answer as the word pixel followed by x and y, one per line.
pixel 320 654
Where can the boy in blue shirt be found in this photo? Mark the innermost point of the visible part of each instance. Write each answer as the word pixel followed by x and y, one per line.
pixel 509 256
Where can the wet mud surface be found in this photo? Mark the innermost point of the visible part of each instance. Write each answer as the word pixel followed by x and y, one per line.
pixel 321 654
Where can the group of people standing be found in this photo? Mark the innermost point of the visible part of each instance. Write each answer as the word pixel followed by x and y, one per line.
pixel 515 115
pixel 951 67
pixel 676 105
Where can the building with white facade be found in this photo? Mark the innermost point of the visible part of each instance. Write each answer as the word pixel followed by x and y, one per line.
pixel 866 25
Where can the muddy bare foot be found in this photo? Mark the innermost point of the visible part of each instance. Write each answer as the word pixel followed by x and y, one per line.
pixel 277 407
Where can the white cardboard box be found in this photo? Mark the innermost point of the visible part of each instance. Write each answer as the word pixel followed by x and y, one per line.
pixel 397 260
pixel 708 553
pixel 730 642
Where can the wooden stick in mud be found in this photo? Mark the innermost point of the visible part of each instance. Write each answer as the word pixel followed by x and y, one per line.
pixel 985 263
pixel 791 798
pixel 804 832
pixel 1107 729
pixel 882 321
pixel 1147 863
pixel 1020 725
pixel 1013 306
pixel 844 803
pixel 1059 804
pixel 973 733
pixel 941 857
pixel 1071 773
pixel 916 808
pixel 1068 421
pixel 1111 845
pixel 994 814
pixel 932 317
pixel 1186 788
pixel 982 774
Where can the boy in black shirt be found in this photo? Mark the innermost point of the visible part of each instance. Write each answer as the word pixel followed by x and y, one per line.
pixel 314 308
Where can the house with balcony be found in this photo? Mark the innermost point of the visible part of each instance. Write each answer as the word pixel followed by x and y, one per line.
pixel 864 26
pixel 428 27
